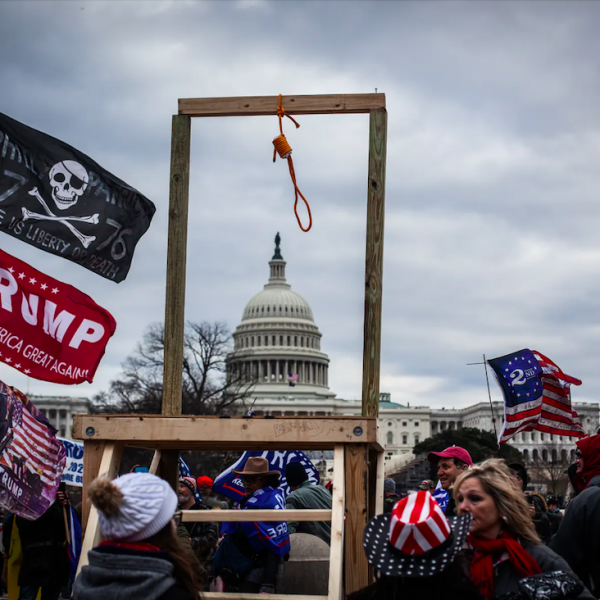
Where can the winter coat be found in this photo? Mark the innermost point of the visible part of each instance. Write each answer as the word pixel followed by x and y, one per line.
pixel 310 496
pixel 541 521
pixel 45 559
pixel 203 536
pixel 506 578
pixel 121 574
pixel 578 537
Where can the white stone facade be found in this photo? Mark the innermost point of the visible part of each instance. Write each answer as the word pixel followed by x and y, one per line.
pixel 60 411
pixel 278 337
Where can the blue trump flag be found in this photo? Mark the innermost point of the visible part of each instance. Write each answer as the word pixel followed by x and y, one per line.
pixel 229 484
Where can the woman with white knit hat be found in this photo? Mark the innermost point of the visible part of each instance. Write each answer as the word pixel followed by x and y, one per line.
pixel 141 557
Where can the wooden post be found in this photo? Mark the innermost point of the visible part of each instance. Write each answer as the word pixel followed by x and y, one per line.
pixel 336 556
pixel 176 265
pixel 357 566
pixel 92 456
pixel 175 300
pixel 374 262
pixel 109 464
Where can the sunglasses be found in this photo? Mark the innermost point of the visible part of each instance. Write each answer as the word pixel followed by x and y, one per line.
pixel 251 478
pixel 177 518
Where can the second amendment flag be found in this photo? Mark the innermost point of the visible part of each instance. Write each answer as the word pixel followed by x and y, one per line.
pixel 59 200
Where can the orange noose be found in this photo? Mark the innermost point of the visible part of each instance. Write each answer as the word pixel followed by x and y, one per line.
pixel 284 150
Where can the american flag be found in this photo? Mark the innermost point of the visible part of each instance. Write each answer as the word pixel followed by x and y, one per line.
pixel 292 379
pixel 31 456
pixel 536 395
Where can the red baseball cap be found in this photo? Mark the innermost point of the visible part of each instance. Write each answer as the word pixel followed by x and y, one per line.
pixel 204 480
pixel 452 452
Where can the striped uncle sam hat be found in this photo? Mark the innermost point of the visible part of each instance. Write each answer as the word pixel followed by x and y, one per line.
pixel 416 539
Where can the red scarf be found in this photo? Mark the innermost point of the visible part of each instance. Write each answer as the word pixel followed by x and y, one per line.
pixel 482 567
pixel 137 546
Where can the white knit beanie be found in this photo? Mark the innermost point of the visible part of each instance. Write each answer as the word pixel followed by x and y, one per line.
pixel 147 505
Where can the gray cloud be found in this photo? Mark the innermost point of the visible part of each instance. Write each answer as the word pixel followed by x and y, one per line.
pixel 492 184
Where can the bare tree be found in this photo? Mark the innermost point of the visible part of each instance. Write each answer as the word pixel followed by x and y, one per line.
pixel 208 389
pixel 550 469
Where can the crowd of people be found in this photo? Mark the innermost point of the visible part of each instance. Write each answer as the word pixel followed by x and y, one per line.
pixel 492 540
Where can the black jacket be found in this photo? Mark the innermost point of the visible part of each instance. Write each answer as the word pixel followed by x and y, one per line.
pixel 578 537
pixel 45 558
pixel 203 536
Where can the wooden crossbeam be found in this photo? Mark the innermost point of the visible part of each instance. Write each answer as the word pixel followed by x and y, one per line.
pixel 248 106
pixel 240 516
pixel 207 433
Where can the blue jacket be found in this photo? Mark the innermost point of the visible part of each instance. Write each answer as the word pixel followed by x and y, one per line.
pixel 264 535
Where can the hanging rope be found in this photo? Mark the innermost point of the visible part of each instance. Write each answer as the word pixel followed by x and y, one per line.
pixel 284 150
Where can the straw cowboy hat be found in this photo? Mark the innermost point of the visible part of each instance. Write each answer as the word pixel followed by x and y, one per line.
pixel 256 466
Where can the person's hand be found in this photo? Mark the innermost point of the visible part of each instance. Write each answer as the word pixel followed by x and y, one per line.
pixel 63 497
pixel 532 510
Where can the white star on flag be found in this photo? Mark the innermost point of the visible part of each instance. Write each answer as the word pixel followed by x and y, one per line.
pixel 11 269
pixel 8 360
pixel 17 366
pixel 55 290
pixel 27 371
pixel 44 286
pixel 21 275
pixel 33 280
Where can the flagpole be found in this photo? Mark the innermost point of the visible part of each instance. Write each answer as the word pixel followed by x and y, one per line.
pixel 487 379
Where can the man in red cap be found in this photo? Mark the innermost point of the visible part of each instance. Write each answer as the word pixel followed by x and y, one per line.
pixel 451 462
pixel 205 485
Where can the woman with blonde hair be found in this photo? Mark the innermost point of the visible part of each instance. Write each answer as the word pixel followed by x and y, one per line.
pixel 505 547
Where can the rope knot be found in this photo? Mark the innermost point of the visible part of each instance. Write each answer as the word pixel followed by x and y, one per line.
pixel 284 150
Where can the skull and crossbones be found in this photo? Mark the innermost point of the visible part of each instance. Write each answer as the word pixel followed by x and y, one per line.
pixel 69 181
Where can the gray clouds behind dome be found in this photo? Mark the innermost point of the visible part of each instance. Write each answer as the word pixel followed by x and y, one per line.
pixel 492 182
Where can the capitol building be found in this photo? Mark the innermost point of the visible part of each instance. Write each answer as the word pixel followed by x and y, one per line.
pixel 278 345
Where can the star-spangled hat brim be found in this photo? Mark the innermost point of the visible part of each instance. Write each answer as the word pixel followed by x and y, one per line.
pixel 390 561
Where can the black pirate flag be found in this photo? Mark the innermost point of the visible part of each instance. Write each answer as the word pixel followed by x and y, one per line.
pixel 58 199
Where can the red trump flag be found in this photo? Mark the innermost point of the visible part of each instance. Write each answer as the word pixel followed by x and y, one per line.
pixel 48 329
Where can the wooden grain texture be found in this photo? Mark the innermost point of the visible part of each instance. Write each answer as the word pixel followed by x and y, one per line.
pixel 267 105
pixel 176 264
pixel 356 574
pixel 380 480
pixel 154 465
pixel 197 432
pixel 336 554
pixel 374 262
pixel 109 465
pixel 239 516
pixel 92 457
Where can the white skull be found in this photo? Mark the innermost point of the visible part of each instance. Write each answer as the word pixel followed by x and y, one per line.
pixel 69 180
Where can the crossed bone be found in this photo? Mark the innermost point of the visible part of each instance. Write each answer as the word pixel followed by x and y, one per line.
pixel 86 240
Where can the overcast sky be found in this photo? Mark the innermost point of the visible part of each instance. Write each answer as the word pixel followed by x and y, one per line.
pixel 493 171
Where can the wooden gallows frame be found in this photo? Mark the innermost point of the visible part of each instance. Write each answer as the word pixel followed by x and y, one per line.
pixel 358 462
